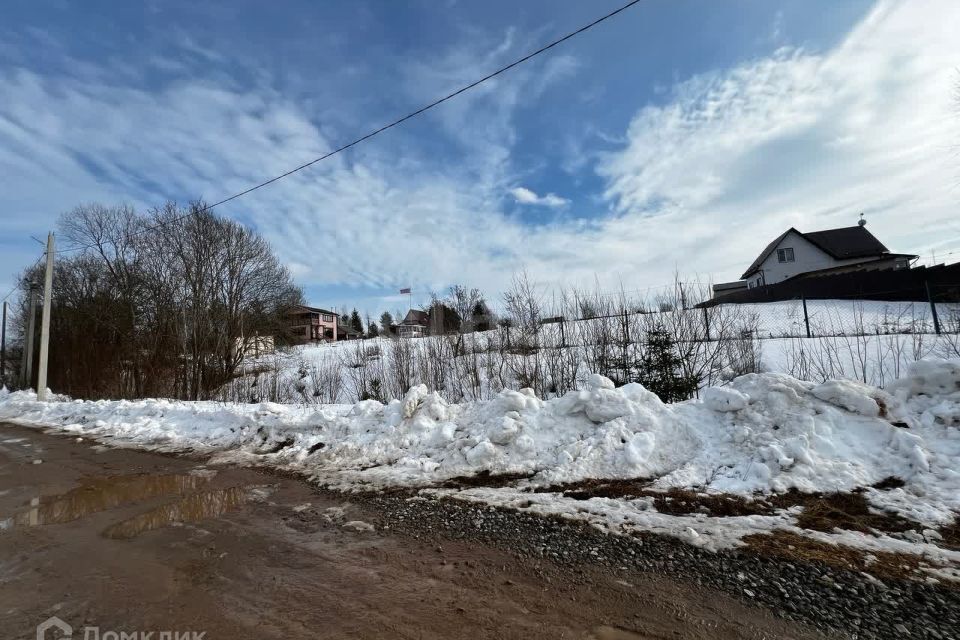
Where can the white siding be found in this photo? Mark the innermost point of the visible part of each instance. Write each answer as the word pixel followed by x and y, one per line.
pixel 806 257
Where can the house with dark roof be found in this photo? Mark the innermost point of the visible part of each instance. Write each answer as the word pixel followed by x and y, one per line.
pixel 414 325
pixel 312 324
pixel 794 254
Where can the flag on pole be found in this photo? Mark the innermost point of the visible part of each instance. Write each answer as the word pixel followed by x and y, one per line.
pixel 407 290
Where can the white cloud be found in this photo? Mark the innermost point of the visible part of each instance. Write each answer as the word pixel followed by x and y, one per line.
pixel 702 181
pixel 384 215
pixel 801 138
pixel 525 196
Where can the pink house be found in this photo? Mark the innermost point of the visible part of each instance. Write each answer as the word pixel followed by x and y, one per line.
pixel 310 324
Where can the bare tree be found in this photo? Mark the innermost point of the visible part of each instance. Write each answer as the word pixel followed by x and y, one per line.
pixel 162 304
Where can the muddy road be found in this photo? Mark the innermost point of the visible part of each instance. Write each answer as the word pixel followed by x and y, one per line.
pixel 127 541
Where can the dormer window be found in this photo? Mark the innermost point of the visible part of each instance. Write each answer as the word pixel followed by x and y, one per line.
pixel 785 255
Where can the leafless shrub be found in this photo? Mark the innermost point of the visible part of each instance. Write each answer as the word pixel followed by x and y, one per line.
pixel 524 306
pixel 326 381
pixel 948 343
pixel 353 360
pixel 400 367
pixel 744 350
pixel 707 339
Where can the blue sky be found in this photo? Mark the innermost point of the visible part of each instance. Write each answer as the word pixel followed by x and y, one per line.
pixel 678 136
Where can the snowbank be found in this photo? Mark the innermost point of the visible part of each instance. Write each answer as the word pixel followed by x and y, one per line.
pixel 763 433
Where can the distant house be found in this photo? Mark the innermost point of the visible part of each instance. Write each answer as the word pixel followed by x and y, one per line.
pixel 346 332
pixel 414 325
pixel 254 346
pixel 311 324
pixel 793 254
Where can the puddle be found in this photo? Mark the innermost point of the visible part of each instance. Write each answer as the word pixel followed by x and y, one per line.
pixel 101 494
pixel 197 506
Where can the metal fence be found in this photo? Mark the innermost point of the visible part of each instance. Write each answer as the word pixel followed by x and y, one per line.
pixel 803 318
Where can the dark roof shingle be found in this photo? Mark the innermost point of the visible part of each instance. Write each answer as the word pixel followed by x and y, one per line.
pixel 847 242
pixel 302 308
pixel 415 316
pixel 842 244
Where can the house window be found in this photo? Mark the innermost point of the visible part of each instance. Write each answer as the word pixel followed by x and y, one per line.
pixel 785 255
pixel 328 318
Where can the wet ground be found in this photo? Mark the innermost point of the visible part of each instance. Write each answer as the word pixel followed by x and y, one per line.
pixel 129 541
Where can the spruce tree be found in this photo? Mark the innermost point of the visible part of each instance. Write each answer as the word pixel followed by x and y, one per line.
pixel 355 322
pixel 480 318
pixel 386 322
pixel 660 368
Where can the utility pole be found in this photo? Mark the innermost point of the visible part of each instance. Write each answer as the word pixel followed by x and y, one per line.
pixel 3 347
pixel 26 371
pixel 45 322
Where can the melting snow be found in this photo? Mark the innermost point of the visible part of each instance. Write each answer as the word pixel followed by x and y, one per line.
pixel 762 433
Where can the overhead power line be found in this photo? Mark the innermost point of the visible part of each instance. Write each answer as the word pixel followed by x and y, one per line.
pixel 396 122
pixel 17 286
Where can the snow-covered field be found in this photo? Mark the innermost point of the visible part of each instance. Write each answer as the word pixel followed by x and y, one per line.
pixel 760 434
pixel 873 342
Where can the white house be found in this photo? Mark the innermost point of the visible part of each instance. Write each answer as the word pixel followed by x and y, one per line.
pixel 793 253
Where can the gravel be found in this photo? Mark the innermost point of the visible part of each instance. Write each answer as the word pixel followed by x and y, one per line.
pixel 830 599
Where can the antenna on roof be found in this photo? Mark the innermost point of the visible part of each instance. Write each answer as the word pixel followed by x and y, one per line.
pixel 863 221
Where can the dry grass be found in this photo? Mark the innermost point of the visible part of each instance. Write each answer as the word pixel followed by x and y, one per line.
pixel 484 479
pixel 851 511
pixel 821 512
pixel 951 535
pixel 671 501
pixel 600 488
pixel 678 502
pixel 797 548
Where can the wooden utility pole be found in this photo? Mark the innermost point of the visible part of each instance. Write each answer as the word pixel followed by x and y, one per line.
pixel 26 370
pixel 3 347
pixel 45 322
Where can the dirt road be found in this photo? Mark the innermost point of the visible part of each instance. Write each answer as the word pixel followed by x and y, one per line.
pixel 127 541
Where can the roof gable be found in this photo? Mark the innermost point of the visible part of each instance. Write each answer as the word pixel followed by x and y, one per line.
pixel 844 243
pixel 415 316
pixel 755 266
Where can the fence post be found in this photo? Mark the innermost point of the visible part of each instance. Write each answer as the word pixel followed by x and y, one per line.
pixel 706 322
pixel 563 335
pixel 806 316
pixel 933 307
pixel 626 326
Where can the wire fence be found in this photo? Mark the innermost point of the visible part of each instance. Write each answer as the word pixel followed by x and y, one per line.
pixel 799 318
pixel 668 344
pixel 851 316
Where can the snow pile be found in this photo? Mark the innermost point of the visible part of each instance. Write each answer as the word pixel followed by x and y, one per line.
pixel 763 433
